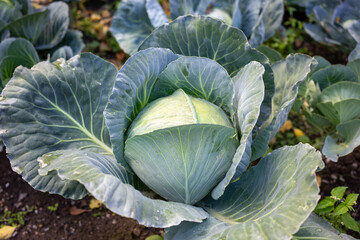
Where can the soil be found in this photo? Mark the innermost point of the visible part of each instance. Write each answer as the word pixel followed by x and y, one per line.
pixel 345 172
pixel 41 223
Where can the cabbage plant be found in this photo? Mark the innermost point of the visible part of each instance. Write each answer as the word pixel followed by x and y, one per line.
pixel 134 20
pixel 28 35
pixel 335 22
pixel 332 103
pixel 168 140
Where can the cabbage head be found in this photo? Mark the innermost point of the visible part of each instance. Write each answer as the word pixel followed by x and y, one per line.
pixel 169 139
pixel 134 20
pixel 331 97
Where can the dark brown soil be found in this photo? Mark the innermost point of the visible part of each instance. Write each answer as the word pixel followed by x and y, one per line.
pixel 345 172
pixel 41 223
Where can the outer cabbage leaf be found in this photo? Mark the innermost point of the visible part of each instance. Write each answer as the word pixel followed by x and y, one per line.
pixel 347 139
pixel 308 90
pixel 15 52
pixel 347 11
pixel 317 228
pixel 184 7
pixel 288 73
pixel 317 120
pixel 343 99
pixel 270 53
pixel 72 39
pixel 270 201
pixel 247 104
pixel 316 32
pixel 44 29
pixel 29 26
pixel 206 37
pixel 131 93
pixel 354 29
pixel 26 6
pixel 131 24
pixel 339 36
pixel 328 110
pixel 55 26
pixel 3 33
pixel 258 19
pixel 221 15
pixel 107 181
pixel 341 91
pixel 334 19
pixel 63 52
pixel 56 107
pixel 9 11
pixel 320 63
pixel 322 14
pixel 348 109
pixel 332 74
pixel 328 5
pixel 355 66
pixel 199 77
pixel 273 18
pixel 156 14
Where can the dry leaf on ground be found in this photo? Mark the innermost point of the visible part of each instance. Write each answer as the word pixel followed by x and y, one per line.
pixel 298 132
pixel 6 232
pixel 94 203
pixel 77 211
pixel 286 127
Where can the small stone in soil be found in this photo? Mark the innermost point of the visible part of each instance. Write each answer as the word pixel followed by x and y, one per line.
pixel 22 196
pixel 136 232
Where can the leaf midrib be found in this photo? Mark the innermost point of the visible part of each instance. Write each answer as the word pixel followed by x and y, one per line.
pixel 80 127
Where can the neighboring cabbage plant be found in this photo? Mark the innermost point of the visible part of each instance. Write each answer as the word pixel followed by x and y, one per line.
pixel 335 22
pixel 331 96
pixel 136 19
pixel 28 35
pixel 168 140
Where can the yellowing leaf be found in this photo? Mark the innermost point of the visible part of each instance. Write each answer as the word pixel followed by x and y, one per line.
pixel 298 132
pixel 105 13
pixel 337 19
pixel 318 180
pixel 94 203
pixel 6 232
pixel 36 6
pixel 154 237
pixel 95 17
pixel 77 211
pixel 286 127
